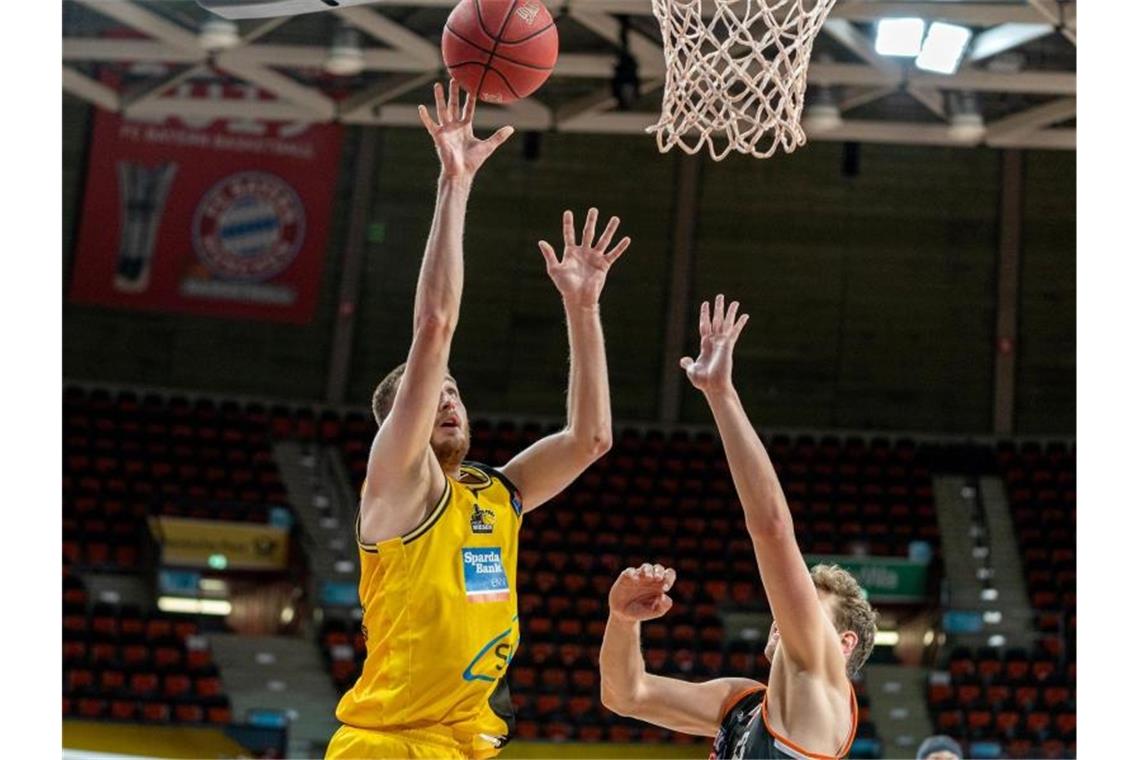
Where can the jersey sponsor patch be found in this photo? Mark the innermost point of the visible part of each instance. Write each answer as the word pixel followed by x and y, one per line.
pixel 482 520
pixel 484 577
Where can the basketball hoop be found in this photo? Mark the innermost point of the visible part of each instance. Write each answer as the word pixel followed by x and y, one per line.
pixel 736 80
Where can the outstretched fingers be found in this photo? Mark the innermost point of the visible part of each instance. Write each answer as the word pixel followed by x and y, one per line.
pixel 468 108
pixel 608 234
pixel 500 137
pixel 568 228
pixel 548 254
pixel 618 250
pixel 718 314
pixel 440 106
pixel 730 315
pixel 453 100
pixel 588 228
pixel 425 117
pixel 706 322
pixel 739 326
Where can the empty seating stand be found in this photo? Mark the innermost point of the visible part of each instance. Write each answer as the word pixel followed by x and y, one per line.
pixel 122 664
pixel 129 455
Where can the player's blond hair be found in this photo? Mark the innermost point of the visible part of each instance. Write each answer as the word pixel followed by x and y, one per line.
pixel 850 611
pixel 385 393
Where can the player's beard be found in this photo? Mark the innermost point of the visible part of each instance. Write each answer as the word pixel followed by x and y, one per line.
pixel 451 452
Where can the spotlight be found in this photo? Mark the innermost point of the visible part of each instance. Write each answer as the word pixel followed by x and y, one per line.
pixel 899 36
pixel 822 112
pixel 966 123
pixel 218 34
pixel 944 47
pixel 345 59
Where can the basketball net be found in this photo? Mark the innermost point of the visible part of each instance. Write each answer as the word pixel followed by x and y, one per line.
pixel 736 80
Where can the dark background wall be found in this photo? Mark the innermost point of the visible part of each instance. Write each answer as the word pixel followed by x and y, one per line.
pixel 872 296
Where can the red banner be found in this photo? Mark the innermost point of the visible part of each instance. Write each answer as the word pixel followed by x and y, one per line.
pixel 228 219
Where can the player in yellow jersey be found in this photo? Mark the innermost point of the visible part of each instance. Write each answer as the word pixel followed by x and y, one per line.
pixel 439 536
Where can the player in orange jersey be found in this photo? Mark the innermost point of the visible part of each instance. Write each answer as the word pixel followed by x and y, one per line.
pixel 823 631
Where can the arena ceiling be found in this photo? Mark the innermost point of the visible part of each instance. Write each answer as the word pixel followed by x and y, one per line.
pixel 145 59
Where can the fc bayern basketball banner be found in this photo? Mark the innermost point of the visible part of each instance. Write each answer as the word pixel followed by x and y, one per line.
pixel 222 218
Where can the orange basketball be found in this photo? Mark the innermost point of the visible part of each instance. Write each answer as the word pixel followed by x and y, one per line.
pixel 500 50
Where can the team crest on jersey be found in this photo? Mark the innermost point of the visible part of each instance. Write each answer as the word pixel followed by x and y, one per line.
pixel 249 227
pixel 482 520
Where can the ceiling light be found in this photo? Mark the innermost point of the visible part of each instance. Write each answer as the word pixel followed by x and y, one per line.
pixel 899 36
pixel 886 638
pixel 967 126
pixel 943 49
pixel 345 59
pixel 218 34
pixel 194 606
pixel 822 113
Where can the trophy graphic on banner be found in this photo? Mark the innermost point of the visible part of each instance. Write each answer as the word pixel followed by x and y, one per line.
pixel 142 191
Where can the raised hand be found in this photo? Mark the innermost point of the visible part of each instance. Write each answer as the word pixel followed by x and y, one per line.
pixel 640 593
pixel 581 274
pixel 712 370
pixel 460 152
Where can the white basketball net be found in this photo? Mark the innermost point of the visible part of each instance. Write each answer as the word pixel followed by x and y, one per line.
pixel 736 80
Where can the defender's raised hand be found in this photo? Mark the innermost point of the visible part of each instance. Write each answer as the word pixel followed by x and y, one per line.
pixel 581 273
pixel 460 152
pixel 712 370
pixel 640 593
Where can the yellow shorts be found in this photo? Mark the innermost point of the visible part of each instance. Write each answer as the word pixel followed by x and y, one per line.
pixel 361 743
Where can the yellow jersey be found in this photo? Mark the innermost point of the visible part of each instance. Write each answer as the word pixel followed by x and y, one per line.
pixel 441 618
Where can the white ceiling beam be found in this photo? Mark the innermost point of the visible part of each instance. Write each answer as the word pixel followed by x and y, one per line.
pixel 1047 139
pixel 144 21
pixel 211 108
pixel 87 88
pixel 930 98
pixel 388 31
pixel 1033 119
pixel 403 115
pixel 89 49
pixel 1026 82
pixel 1005 37
pixel 864 95
pixel 313 57
pixel 1066 20
pixel 319 105
pixel 366 101
pixel 970 14
pixel 649 56
pixel 599 101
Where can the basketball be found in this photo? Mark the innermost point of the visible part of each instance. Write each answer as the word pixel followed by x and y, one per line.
pixel 500 50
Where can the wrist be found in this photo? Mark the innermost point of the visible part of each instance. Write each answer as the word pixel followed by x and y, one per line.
pixel 582 305
pixel 722 393
pixel 617 618
pixel 457 180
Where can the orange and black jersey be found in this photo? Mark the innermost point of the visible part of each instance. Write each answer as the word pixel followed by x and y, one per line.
pixel 745 734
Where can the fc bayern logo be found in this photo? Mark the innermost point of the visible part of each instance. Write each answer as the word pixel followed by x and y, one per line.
pixel 249 227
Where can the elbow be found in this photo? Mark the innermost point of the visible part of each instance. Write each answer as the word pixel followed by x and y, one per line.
pixel 617 701
pixel 600 443
pixel 593 444
pixel 436 325
pixel 770 527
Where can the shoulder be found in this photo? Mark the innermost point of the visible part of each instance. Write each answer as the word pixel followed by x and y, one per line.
pixel 743 702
